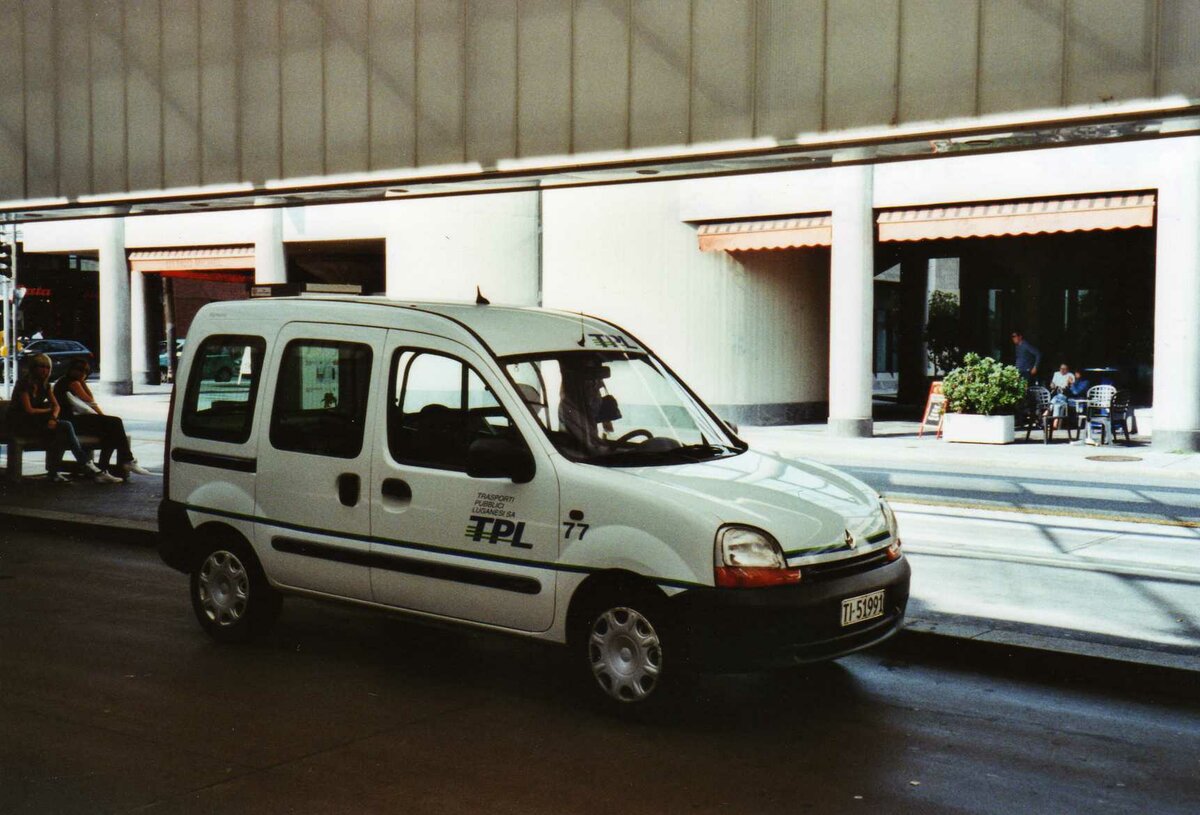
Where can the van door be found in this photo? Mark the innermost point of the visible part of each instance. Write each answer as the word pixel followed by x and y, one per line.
pixel 445 543
pixel 314 516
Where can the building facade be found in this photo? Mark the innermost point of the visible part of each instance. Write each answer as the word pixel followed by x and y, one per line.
pixel 766 192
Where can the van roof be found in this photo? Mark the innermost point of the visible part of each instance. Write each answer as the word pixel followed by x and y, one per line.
pixel 505 330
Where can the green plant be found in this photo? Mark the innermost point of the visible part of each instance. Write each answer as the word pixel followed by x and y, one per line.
pixel 942 331
pixel 983 386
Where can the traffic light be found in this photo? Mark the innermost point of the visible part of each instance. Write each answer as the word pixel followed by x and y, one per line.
pixel 6 259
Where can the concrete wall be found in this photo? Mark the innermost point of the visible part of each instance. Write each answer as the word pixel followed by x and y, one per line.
pixel 107 96
pixel 442 248
pixel 1102 168
pixel 746 331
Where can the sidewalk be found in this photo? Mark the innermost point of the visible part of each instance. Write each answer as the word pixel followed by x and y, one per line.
pixel 131 509
pixel 897 442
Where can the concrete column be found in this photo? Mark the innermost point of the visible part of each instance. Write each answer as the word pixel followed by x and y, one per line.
pixel 1177 301
pixel 116 376
pixel 269 263
pixel 851 303
pixel 142 369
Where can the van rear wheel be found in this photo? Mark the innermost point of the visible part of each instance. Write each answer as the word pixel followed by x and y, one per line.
pixel 230 594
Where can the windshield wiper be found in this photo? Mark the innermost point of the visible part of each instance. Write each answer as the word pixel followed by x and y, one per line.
pixel 672 455
pixel 706 448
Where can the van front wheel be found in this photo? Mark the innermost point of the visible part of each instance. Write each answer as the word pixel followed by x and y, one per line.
pixel 626 646
pixel 230 593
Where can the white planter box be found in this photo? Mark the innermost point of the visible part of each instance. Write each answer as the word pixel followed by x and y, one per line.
pixel 971 427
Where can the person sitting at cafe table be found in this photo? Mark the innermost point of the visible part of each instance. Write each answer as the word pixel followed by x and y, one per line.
pixel 78 405
pixel 1079 387
pixel 1060 387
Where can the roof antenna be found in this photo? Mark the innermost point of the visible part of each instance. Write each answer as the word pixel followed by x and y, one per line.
pixel 480 300
pixel 582 338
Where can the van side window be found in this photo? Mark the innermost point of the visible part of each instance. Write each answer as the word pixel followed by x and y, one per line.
pixel 440 405
pixel 222 388
pixel 321 398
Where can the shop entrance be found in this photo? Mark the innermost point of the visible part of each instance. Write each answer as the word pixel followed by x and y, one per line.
pixel 1082 298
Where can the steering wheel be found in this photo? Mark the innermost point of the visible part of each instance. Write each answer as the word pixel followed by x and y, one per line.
pixel 632 434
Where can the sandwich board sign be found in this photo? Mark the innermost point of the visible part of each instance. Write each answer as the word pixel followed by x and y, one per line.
pixel 935 407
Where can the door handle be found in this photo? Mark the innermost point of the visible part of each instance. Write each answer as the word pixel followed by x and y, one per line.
pixel 396 488
pixel 348 486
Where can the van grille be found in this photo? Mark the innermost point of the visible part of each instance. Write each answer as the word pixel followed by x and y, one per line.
pixel 833 569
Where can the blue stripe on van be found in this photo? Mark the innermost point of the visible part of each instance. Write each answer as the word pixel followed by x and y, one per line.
pixel 425 547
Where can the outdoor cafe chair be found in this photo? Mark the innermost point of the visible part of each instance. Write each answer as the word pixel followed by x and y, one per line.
pixel 1111 418
pixel 1036 412
pixel 1099 397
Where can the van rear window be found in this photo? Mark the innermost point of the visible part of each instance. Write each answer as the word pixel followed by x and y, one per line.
pixel 222 388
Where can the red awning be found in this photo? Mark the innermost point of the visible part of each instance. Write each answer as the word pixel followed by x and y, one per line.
pixel 778 233
pixel 1018 218
pixel 193 259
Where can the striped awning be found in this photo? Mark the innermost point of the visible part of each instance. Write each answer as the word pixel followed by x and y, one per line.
pixel 1018 218
pixel 193 259
pixel 778 233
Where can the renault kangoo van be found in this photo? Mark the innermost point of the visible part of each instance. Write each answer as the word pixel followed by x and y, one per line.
pixel 529 471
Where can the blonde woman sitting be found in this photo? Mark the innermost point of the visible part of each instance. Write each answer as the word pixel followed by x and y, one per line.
pixel 35 412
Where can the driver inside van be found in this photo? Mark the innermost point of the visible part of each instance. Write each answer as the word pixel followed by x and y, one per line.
pixel 583 408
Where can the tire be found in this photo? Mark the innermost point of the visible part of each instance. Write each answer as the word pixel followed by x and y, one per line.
pixel 230 594
pixel 627 652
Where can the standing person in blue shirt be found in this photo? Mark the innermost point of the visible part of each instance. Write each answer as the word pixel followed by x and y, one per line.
pixel 1028 357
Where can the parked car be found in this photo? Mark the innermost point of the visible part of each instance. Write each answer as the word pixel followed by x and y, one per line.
pixel 60 352
pixel 513 469
pixel 220 364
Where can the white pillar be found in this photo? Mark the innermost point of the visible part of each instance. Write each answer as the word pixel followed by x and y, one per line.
pixel 115 372
pixel 851 303
pixel 139 352
pixel 1177 301
pixel 269 263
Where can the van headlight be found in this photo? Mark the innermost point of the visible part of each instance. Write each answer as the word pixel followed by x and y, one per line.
pixel 889 518
pixel 745 557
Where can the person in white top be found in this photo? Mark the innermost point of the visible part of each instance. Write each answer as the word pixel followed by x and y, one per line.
pixel 1060 386
pixel 1063 379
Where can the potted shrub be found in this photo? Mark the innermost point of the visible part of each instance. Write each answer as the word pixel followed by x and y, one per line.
pixel 981 397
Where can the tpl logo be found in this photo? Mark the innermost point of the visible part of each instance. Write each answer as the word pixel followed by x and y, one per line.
pixel 612 341
pixel 497 530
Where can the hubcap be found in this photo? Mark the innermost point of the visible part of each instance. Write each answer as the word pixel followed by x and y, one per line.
pixel 625 654
pixel 224 588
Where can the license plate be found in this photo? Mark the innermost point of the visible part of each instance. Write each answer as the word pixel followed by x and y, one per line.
pixel 863 607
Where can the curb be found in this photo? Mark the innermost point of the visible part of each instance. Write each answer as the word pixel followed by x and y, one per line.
pixel 1036 658
pixel 143 533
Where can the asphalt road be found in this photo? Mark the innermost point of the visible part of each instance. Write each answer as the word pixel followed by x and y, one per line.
pixel 113 701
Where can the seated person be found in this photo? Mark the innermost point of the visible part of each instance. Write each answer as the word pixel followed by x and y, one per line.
pixel 34 411
pixel 1060 386
pixel 78 406
pixel 1063 380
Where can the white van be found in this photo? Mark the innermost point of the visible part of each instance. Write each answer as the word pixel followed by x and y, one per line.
pixel 529 471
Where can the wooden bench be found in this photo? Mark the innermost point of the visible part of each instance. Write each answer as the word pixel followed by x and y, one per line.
pixel 17 445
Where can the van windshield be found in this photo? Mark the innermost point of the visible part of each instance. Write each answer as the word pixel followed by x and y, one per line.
pixel 617 409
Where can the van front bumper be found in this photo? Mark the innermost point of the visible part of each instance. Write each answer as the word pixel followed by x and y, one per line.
pixel 748 629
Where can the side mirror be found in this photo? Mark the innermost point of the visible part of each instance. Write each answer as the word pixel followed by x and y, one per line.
pixel 500 458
